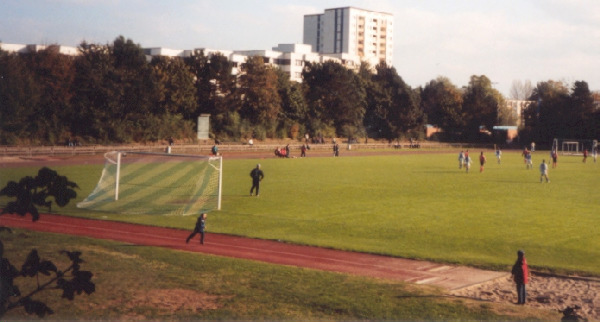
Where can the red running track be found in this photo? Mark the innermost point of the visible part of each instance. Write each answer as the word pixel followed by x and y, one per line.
pixel 412 271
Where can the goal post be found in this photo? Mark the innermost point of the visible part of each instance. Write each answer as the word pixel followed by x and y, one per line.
pixel 573 146
pixel 570 147
pixel 157 184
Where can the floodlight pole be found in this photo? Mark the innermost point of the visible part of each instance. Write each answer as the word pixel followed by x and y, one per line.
pixel 118 176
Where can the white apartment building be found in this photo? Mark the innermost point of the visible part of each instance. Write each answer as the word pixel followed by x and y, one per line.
pixel 166 52
pixel 351 34
pixel 290 58
pixel 32 48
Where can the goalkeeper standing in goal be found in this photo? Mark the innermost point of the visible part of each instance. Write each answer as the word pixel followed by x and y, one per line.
pixel 199 229
pixel 257 176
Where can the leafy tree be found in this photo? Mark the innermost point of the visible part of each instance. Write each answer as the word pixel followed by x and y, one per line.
pixel 131 74
pixel 175 90
pixel 30 193
pixel 54 73
pixel 545 119
pixel 405 114
pixel 115 91
pixel 442 102
pixel 215 85
pixel 596 115
pixel 94 105
pixel 581 109
pixel 335 95
pixel 293 106
pixel 561 112
pixel 481 104
pixel 19 99
pixel 174 100
pixel 260 101
pixel 375 121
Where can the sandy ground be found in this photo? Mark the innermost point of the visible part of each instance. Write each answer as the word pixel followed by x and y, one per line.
pixel 547 292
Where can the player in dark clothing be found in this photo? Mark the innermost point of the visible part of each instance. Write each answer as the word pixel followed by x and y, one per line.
pixel 257 176
pixel 199 229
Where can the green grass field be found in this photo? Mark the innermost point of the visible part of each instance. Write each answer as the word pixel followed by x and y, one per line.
pixel 415 206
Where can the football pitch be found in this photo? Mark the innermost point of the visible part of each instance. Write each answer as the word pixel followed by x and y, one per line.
pixel 408 205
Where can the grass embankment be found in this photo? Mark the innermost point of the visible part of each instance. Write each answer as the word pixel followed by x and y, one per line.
pixel 147 283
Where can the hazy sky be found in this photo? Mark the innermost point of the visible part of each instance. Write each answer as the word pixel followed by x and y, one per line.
pixel 506 40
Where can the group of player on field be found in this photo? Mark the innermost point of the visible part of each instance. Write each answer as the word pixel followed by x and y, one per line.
pixel 464 160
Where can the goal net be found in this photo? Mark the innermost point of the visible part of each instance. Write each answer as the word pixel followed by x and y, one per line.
pixel 574 146
pixel 157 184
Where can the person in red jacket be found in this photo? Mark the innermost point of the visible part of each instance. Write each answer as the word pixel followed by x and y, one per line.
pixel 520 273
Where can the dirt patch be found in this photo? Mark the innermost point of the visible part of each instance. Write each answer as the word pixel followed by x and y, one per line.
pixel 100 250
pixel 177 300
pixel 545 292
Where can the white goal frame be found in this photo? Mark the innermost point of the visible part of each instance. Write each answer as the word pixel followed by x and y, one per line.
pixel 570 147
pixel 220 188
pixel 574 146
pixel 118 180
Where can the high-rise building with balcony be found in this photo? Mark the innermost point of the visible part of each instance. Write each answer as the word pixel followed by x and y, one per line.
pixel 351 33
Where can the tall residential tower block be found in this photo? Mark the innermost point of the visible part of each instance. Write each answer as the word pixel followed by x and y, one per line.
pixel 351 33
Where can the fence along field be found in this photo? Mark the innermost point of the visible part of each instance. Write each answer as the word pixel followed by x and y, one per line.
pixel 414 206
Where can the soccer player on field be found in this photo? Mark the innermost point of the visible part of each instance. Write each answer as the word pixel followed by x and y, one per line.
pixel 544 171
pixel 467 163
pixel 257 176
pixel 554 158
pixel 528 161
pixel 481 161
pixel 498 154
pixel 461 159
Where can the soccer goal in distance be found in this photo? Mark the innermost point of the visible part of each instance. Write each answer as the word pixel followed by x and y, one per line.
pixel 573 146
pixel 157 184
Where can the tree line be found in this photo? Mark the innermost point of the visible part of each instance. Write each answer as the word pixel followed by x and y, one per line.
pixel 112 94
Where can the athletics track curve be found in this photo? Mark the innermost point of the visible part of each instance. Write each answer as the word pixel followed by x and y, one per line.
pixel 412 271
